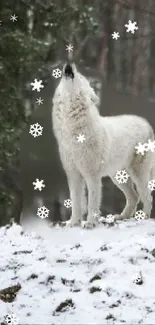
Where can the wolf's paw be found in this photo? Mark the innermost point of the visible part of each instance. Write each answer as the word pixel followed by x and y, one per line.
pixel 88 224
pixel 72 223
pixel 119 217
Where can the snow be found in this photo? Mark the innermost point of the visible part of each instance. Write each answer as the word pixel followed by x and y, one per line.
pixel 115 253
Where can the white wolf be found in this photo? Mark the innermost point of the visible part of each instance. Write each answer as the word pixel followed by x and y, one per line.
pixel 109 147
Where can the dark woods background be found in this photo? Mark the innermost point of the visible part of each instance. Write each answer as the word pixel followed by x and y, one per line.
pixel 122 72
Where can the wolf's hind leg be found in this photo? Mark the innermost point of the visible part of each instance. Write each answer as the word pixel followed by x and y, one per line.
pixel 84 201
pixel 131 196
pixel 141 178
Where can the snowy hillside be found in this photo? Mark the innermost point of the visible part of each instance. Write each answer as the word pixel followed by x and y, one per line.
pixel 80 276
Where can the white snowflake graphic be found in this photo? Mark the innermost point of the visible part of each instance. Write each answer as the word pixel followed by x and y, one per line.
pixel 102 220
pixel 13 18
pixel 141 148
pixel 11 319
pixel 138 278
pixel 150 146
pixel 121 176
pixel 36 130
pixel 96 215
pixel 131 27
pixel 38 184
pixel 68 203
pixel 110 218
pixel 81 138
pixel 140 215
pixel 151 185
pixel 43 212
pixel 37 85
pixel 69 48
pixel 39 101
pixel 56 73
pixel 115 35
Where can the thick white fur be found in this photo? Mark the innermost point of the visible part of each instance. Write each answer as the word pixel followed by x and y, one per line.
pixel 109 147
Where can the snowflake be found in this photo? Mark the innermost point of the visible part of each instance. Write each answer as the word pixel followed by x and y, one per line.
pixel 36 130
pixel 141 148
pixel 151 185
pixel 38 184
pixel 43 212
pixel 122 176
pixel 68 203
pixel 96 215
pixel 13 18
pixel 69 48
pixel 140 215
pixel 110 218
pixel 115 35
pixel 39 101
pixel 150 145
pixel 0 22
pixel 138 278
pixel 81 138
pixel 131 27
pixel 56 73
pixel 37 85
pixel 11 319
pixel 102 220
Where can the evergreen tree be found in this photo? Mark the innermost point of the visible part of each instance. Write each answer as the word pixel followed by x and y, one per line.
pixel 28 47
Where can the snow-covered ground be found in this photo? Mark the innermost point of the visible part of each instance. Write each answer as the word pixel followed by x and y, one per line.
pixel 60 264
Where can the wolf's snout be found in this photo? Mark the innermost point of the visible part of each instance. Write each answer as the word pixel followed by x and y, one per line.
pixel 69 71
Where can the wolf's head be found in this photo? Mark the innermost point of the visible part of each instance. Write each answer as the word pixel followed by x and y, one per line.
pixel 70 80
pixel 69 71
pixel 73 83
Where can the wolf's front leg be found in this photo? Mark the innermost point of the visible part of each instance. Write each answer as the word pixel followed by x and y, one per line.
pixel 94 201
pixel 75 186
pixel 84 201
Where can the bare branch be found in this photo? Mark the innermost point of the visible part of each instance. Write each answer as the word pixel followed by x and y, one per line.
pixel 82 46
pixel 135 7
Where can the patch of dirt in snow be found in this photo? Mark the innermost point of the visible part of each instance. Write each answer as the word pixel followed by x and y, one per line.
pixel 74 276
